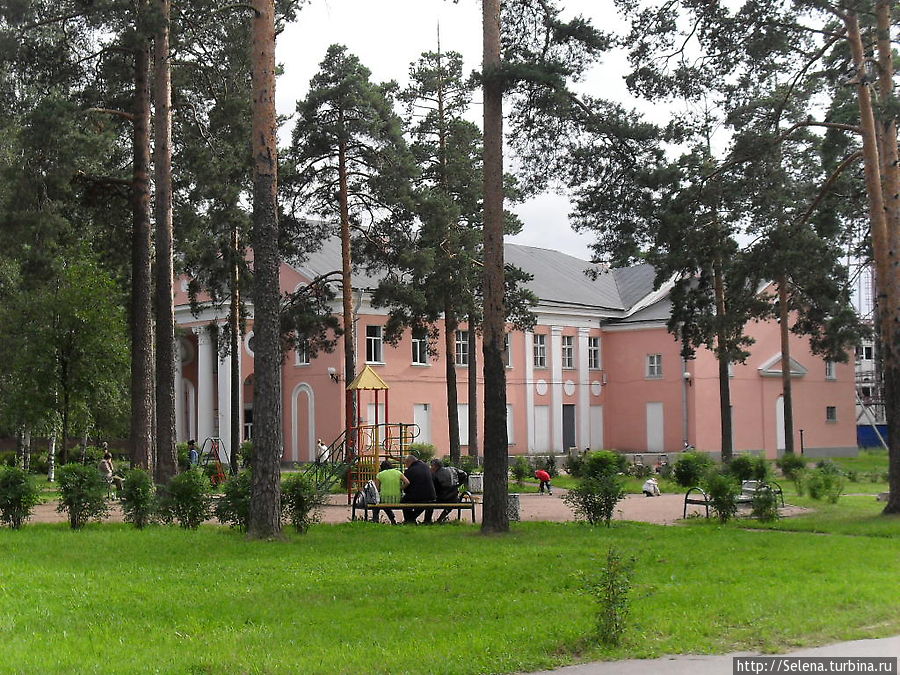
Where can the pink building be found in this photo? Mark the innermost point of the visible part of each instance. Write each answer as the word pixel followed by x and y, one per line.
pixel 598 370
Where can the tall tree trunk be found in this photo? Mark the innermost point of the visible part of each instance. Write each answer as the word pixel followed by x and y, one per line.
pixel 51 456
pixel 722 359
pixel 889 286
pixel 450 326
pixel 166 462
pixel 495 518
pixel 473 389
pixel 235 348
pixel 20 447
pixel 64 457
pixel 265 491
pixel 784 317
pixel 884 236
pixel 347 293
pixel 141 309
pixel 26 449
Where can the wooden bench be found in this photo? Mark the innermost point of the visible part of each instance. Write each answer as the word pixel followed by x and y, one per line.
pixel 749 488
pixel 466 503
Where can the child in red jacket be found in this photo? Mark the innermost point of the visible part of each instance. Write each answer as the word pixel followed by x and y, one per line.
pixel 544 477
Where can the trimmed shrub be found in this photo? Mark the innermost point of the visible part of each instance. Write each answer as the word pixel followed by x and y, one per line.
pixel 139 502
pixel 690 468
pixel 760 469
pixel 823 483
pixel 186 499
pixel 424 451
pixel 301 502
pixel 603 463
pixel 233 508
pixel 245 455
pixel 723 493
pixel 574 465
pixel 741 467
pixel 18 496
pixel 82 494
pixel 764 506
pixel 595 499
pixel 550 466
pixel 521 469
pixel 183 455
pixel 611 590
pixel 639 471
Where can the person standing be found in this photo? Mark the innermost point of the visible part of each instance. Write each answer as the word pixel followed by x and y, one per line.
pixel 193 457
pixel 544 477
pixel 419 490
pixel 389 482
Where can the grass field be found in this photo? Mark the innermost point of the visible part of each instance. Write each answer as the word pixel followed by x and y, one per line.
pixel 362 598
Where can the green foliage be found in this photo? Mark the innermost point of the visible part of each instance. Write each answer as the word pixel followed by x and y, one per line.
pixel 550 466
pixel 139 501
pixel 301 502
pixel 723 493
pixel 764 505
pixel 18 496
pixel 574 464
pixel 595 498
pixel 690 468
pixel 521 469
pixel 602 463
pixel 245 455
pixel 741 467
pixel 186 499
pixel 233 507
pixel 639 471
pixel 82 494
pixel 610 589
pixel 825 483
pixel 424 451
pixel 183 456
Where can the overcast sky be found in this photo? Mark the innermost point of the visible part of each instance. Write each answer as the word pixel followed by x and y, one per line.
pixel 388 35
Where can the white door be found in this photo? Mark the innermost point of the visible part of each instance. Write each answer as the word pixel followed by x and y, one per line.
pixel 654 427
pixel 462 414
pixel 541 429
pixel 779 423
pixel 422 418
pixel 596 442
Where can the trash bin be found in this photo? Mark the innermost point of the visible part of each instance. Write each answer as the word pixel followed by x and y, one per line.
pixel 476 483
pixel 512 507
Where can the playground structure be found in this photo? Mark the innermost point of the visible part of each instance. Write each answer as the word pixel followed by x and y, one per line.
pixel 358 452
pixel 214 452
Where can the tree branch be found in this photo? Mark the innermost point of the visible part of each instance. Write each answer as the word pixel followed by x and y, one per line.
pixel 117 113
pixel 826 186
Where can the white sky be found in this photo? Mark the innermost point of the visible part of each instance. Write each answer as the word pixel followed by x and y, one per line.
pixel 388 35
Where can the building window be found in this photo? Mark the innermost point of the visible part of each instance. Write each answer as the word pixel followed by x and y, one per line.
pixel 462 348
pixel 507 354
pixel 866 352
pixel 594 353
pixel 302 352
pixel 540 351
pixel 830 370
pixel 420 348
pixel 374 345
pixel 831 413
pixel 568 351
pixel 654 365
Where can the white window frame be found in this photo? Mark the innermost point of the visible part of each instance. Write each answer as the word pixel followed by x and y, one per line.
pixel 374 344
pixel 507 351
pixel 461 351
pixel 594 353
pixel 653 368
pixel 420 349
pixel 567 352
pixel 301 354
pixel 540 350
pixel 831 414
pixel 830 370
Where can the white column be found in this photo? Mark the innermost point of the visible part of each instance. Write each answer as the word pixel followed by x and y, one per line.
pixel 205 411
pixel 224 407
pixel 556 388
pixel 529 389
pixel 584 391
pixel 181 432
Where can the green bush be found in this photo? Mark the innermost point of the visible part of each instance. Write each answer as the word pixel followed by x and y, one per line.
pixel 603 463
pixel 521 469
pixel 183 455
pixel 764 505
pixel 639 471
pixel 139 502
pixel 574 465
pixel 82 494
pixel 690 468
pixel 18 496
pixel 550 466
pixel 822 483
pixel 760 469
pixel 301 502
pixel 723 492
pixel 233 508
pixel 186 499
pixel 611 590
pixel 666 470
pixel 424 451
pixel 741 467
pixel 595 499
pixel 469 464
pixel 245 454
pixel 7 457
pixel 829 467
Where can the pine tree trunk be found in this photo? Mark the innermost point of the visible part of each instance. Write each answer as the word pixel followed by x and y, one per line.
pixel 889 286
pixel 347 284
pixel 26 449
pixel 235 348
pixel 141 309
pixel 884 242
pixel 20 446
pixel 786 365
pixel 722 359
pixel 473 389
pixel 265 491
pixel 495 518
pixel 166 463
pixel 450 326
pixel 51 456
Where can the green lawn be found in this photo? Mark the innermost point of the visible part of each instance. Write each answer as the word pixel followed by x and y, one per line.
pixel 360 597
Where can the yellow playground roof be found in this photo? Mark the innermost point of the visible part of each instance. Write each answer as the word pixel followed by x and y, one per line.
pixel 367 379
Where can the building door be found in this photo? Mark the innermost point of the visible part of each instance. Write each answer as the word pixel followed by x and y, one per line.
pixel 779 424
pixel 596 442
pixel 568 424
pixel 541 428
pixel 655 427
pixel 422 418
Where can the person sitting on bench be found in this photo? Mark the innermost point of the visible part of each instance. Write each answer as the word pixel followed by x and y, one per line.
pixel 420 489
pixel 389 482
pixel 447 481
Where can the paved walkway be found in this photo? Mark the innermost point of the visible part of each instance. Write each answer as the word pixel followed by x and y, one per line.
pixel 698 664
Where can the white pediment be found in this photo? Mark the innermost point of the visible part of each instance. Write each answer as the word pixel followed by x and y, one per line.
pixel 772 367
